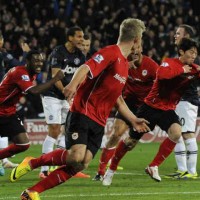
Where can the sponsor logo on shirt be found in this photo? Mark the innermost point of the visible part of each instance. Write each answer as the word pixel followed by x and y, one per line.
pixel 69 70
pixel 25 78
pixel 98 58
pixel 120 78
pixel 164 64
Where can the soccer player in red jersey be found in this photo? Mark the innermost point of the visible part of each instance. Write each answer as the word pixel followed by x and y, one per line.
pixel 186 149
pixel 96 87
pixel 142 73
pixel 16 82
pixel 172 79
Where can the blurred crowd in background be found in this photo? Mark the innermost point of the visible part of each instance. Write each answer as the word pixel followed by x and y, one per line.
pixel 43 25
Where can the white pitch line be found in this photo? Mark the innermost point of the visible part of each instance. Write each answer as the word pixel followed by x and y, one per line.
pixel 108 194
pixel 121 172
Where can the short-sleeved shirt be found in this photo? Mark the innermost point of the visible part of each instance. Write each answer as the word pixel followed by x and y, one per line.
pixel 68 62
pixel 140 81
pixel 97 95
pixel 14 85
pixel 170 84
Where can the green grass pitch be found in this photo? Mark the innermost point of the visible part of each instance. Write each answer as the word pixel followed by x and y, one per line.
pixel 130 183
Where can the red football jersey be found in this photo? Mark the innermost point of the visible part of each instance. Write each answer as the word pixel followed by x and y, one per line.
pixel 170 84
pixel 140 81
pixel 98 94
pixel 14 85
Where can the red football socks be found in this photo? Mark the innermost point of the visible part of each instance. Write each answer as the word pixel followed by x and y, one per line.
pixel 55 178
pixel 54 158
pixel 120 151
pixel 164 151
pixel 106 155
pixel 13 149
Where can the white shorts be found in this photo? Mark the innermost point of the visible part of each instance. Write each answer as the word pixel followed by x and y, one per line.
pixel 188 116
pixel 55 110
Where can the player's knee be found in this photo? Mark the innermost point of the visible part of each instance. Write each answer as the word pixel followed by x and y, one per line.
pixel 175 136
pixel 188 136
pixel 74 167
pixel 117 136
pixel 114 139
pixel 54 130
pixel 174 132
pixel 131 143
pixel 78 166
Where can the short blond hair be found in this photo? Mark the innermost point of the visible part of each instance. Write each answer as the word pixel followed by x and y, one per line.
pixel 131 28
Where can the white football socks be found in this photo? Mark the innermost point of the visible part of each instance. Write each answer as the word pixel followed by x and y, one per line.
pixel 60 142
pixel 192 150
pixel 47 147
pixel 180 155
pixel 3 145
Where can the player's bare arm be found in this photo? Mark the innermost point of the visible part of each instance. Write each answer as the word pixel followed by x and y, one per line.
pixel 45 86
pixel 79 76
pixel 138 123
pixel 58 84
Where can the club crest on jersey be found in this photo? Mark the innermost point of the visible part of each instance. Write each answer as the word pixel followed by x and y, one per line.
pixel 77 61
pixel 98 58
pixel 75 136
pixel 164 64
pixel 25 78
pixel 144 72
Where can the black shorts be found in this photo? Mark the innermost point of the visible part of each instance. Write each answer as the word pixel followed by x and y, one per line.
pixel 132 108
pixel 164 119
pixel 11 126
pixel 82 130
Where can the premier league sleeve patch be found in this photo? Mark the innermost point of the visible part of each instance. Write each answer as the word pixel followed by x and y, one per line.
pixel 25 78
pixel 9 56
pixel 98 58
pixel 54 61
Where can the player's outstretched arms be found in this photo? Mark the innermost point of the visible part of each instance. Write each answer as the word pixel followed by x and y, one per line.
pixel 38 89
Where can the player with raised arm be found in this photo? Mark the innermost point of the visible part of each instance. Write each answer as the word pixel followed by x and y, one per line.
pixel 96 87
pixel 17 82
pixel 172 80
pixel 142 73
pixel 186 150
